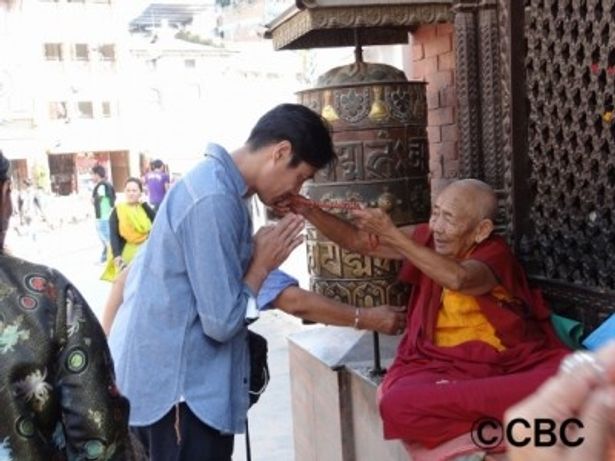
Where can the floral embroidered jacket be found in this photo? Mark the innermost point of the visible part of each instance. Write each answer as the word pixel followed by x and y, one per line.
pixel 58 399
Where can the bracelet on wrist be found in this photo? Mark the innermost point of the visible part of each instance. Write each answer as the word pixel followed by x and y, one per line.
pixel 356 318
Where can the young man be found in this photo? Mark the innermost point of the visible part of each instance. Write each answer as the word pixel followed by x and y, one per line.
pixel 103 198
pixel 157 184
pixel 180 337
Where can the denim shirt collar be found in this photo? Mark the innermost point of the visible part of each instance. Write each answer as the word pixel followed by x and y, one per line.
pixel 220 153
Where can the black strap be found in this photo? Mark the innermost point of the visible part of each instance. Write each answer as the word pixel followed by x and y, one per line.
pixel 248 452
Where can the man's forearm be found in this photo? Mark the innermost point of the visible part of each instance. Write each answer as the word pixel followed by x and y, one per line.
pixel 255 276
pixel 318 308
pixel 312 306
pixel 115 299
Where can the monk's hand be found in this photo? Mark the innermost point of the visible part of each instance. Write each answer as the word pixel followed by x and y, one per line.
pixel 282 207
pixel 376 222
pixel 389 320
pixel 583 389
pixel 294 203
pixel 273 244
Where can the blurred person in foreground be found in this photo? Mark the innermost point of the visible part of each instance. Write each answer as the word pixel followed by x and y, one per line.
pixel 58 397
pixel 583 389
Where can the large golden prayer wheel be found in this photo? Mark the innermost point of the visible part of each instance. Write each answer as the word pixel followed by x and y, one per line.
pixel 378 119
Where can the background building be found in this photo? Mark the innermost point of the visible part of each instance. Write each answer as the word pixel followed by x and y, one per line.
pixel 192 82
pixel 18 138
pixel 121 83
pixel 66 81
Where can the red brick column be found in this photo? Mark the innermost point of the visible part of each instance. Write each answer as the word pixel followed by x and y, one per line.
pixel 433 60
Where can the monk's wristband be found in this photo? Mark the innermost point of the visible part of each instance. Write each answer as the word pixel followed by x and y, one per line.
pixel 356 318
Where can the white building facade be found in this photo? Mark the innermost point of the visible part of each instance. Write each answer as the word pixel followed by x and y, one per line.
pixel 64 64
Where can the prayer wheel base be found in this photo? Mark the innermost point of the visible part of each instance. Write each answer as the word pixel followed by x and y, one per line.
pixel 335 414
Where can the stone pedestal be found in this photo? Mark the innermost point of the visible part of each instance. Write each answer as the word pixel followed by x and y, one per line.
pixel 368 441
pixel 335 416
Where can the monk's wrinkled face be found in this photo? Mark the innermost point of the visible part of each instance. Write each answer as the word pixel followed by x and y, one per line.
pixel 453 222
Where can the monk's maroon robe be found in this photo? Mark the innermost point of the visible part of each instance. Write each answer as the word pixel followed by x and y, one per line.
pixel 432 394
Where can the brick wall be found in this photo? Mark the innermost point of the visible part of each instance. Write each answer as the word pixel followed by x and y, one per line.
pixel 433 60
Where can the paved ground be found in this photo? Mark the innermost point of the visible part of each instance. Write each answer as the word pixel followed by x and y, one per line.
pixel 74 250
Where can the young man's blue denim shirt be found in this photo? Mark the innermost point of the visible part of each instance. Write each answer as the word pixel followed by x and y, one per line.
pixel 180 334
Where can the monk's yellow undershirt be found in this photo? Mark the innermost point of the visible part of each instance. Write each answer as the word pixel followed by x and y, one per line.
pixel 460 319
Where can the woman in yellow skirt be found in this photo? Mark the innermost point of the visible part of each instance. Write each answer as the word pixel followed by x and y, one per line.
pixel 129 225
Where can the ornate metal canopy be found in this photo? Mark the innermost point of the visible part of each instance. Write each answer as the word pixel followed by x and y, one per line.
pixel 329 23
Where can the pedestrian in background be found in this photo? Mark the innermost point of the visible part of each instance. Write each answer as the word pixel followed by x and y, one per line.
pixel 157 183
pixel 30 210
pixel 130 223
pixel 103 198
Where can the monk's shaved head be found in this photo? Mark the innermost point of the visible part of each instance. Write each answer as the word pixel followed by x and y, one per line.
pixel 480 197
pixel 462 217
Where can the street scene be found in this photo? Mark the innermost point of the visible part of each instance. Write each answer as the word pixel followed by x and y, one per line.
pixel 307 230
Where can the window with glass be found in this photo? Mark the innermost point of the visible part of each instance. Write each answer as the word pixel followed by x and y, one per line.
pixel 57 110
pixel 82 53
pixel 107 52
pixel 106 109
pixel 86 109
pixel 53 51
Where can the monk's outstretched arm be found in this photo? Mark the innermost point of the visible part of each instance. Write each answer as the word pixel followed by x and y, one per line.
pixel 348 236
pixel 469 276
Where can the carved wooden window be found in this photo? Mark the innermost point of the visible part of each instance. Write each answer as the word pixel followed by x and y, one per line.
pixel 570 89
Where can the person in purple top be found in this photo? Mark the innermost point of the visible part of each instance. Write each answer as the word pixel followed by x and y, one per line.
pixel 157 183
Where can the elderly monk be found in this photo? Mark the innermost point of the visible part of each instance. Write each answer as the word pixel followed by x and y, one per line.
pixel 478 338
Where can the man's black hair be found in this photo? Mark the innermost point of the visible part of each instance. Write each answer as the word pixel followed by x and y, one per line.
pixel 99 170
pixel 5 168
pixel 308 133
pixel 157 164
pixel 137 181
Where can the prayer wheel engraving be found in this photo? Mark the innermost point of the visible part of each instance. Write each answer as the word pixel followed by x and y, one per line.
pixel 378 119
